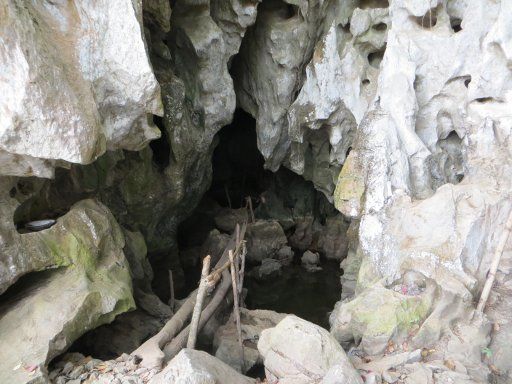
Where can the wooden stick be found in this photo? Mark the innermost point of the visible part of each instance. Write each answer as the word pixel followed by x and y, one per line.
pixel 175 346
pixel 241 274
pixel 237 261
pixel 171 284
pixel 191 343
pixel 227 195
pixel 249 203
pixel 236 308
pixel 494 264
pixel 151 350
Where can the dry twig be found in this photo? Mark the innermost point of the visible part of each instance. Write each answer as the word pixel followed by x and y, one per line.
pixel 201 292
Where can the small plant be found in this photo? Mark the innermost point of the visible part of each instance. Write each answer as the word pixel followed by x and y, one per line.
pixel 487 352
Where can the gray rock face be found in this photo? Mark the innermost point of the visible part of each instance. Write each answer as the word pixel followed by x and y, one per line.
pixel 253 322
pixel 304 74
pixel 418 177
pixel 197 367
pixel 297 351
pixel 78 82
pixel 264 240
pixel 52 309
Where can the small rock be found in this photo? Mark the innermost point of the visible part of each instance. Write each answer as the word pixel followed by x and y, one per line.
pixel 60 380
pixel 129 380
pixel 74 381
pixel 123 357
pixel 390 376
pixel 120 369
pixel 75 373
pixel 140 371
pixel 53 374
pixel 372 378
pixel 68 368
pixel 285 255
pixel 91 364
pixel 268 268
pixel 310 258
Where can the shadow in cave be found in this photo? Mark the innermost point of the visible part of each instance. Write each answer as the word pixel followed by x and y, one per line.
pixel 283 196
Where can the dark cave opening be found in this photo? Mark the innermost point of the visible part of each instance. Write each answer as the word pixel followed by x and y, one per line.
pixel 283 197
pixel 283 201
pixel 237 164
pixel 160 147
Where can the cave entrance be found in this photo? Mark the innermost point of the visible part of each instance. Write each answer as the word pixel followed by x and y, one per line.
pixel 295 243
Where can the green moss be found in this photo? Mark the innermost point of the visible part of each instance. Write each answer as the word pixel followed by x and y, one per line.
pixel 350 186
pixel 69 250
pixel 380 311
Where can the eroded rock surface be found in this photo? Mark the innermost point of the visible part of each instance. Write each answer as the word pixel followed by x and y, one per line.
pixel 77 82
pixel 253 322
pixel 191 366
pixel 89 285
pixel 297 351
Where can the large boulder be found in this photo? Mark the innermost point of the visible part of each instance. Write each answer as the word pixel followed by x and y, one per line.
pixel 253 322
pixel 264 240
pixel 198 367
pixel 49 310
pixel 299 352
pixel 75 86
pixel 378 315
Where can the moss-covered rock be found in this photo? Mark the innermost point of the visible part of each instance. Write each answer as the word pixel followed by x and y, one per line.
pixel 350 187
pixel 88 285
pixel 379 315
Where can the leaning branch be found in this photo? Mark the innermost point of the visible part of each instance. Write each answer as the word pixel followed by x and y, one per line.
pixel 494 264
pixel 201 292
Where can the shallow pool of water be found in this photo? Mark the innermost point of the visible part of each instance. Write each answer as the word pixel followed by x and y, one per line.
pixel 309 295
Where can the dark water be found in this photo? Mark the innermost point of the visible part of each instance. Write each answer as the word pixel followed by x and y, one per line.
pixel 309 295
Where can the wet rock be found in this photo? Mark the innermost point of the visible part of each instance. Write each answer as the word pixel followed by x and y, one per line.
pixel 332 239
pixel 197 367
pixel 253 322
pixel 419 374
pixel 285 255
pixel 310 258
pixel 310 261
pixel 303 236
pixel 269 268
pixel 297 351
pixel 227 219
pixel 264 240
pixel 56 307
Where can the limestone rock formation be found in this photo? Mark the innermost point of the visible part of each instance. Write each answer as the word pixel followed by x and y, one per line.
pixel 197 367
pixel 297 351
pixel 77 82
pixel 253 323
pixel 264 240
pixel 88 285
pixel 428 175
pixel 397 111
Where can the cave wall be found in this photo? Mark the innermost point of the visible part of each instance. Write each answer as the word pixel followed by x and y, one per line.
pixel 397 111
